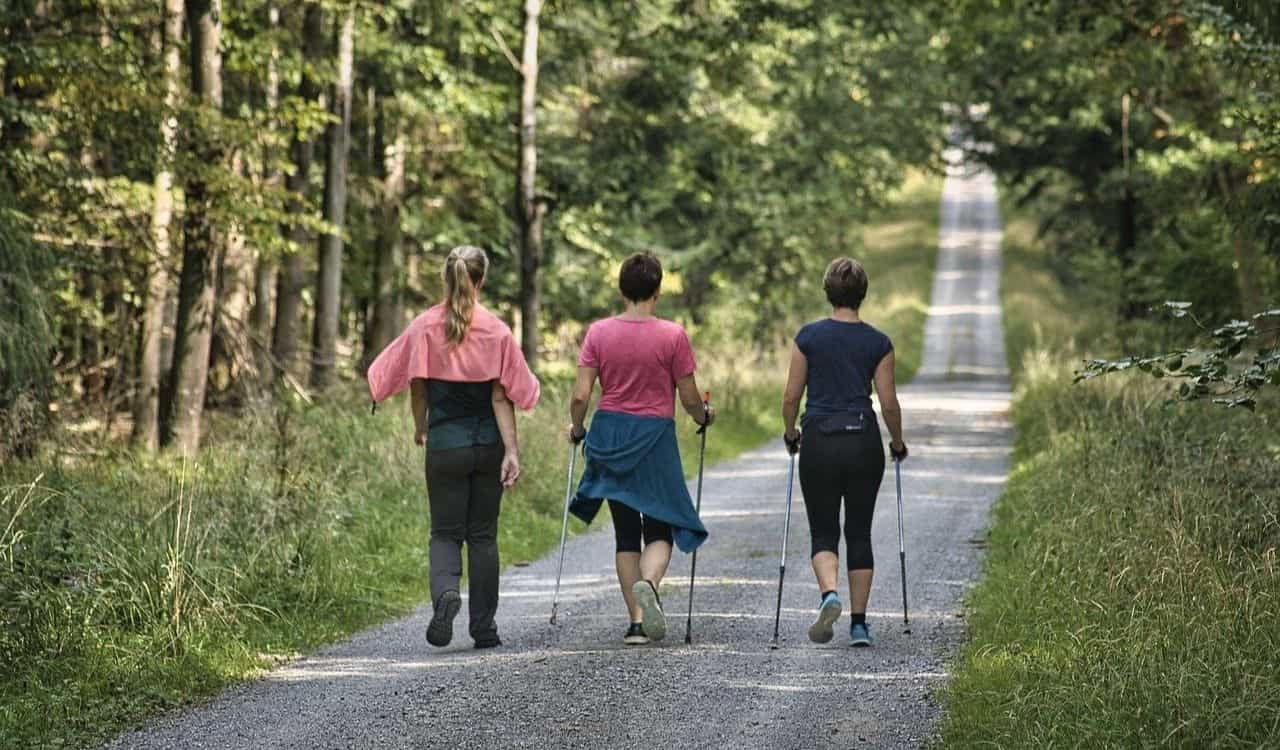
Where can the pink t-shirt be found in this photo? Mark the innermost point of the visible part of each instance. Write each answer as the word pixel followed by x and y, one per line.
pixel 639 363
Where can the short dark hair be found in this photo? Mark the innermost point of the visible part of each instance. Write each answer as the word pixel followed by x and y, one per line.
pixel 845 283
pixel 640 277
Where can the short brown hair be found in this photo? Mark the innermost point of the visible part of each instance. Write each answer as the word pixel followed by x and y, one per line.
pixel 640 277
pixel 845 283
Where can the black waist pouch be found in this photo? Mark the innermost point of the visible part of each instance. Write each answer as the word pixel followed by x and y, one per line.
pixel 842 424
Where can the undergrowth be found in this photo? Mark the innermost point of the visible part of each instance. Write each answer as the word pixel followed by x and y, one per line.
pixel 1130 591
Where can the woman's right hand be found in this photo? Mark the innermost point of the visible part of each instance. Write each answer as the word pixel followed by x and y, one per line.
pixel 577 434
pixel 420 437
pixel 510 469
pixel 898 450
pixel 708 415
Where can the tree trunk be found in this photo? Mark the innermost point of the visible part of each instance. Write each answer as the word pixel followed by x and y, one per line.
pixel 324 337
pixel 529 208
pixel 146 405
pixel 232 350
pixel 1127 217
pixel 21 89
pixel 1244 252
pixel 388 248
pixel 197 298
pixel 1246 267
pixel 292 279
pixel 264 274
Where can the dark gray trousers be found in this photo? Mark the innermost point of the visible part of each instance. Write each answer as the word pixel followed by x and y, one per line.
pixel 464 489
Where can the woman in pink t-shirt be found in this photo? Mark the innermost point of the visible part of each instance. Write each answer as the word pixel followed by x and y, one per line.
pixel 633 459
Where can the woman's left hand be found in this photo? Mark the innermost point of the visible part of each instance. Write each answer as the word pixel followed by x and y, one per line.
pixel 510 469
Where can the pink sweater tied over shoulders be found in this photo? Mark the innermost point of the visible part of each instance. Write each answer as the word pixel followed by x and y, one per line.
pixel 489 352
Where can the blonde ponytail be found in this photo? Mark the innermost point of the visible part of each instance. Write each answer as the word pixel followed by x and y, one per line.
pixel 464 270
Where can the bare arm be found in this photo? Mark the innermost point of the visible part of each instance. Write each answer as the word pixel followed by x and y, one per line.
pixel 691 400
pixel 581 399
pixel 505 413
pixel 887 392
pixel 797 377
pixel 418 406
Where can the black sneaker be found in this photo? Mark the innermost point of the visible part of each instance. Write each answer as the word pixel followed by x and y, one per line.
pixel 440 629
pixel 635 635
pixel 488 640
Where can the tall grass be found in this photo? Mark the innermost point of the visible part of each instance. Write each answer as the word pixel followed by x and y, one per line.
pixel 1130 595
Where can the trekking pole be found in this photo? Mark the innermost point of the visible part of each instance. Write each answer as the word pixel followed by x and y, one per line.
pixel 902 548
pixel 693 566
pixel 782 564
pixel 564 528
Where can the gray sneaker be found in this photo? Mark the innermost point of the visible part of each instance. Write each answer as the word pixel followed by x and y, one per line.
pixel 440 629
pixel 652 619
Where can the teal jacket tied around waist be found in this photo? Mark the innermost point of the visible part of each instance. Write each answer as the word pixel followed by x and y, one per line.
pixel 636 461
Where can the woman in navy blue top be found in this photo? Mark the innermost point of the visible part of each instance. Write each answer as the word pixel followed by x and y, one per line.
pixel 839 360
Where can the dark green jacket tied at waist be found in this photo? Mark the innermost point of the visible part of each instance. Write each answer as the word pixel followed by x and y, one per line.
pixel 460 415
pixel 635 460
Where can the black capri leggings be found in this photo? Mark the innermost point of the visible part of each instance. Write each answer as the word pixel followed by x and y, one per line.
pixel 629 527
pixel 848 467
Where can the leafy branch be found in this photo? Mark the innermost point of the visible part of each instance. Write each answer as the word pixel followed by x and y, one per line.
pixel 1237 360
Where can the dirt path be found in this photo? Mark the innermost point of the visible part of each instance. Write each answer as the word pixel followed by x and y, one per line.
pixel 576 686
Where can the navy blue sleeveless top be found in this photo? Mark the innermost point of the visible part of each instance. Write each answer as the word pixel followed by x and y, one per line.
pixel 842 359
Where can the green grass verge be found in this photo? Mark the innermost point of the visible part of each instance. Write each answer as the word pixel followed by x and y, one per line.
pixel 130 585
pixel 899 251
pixel 1130 594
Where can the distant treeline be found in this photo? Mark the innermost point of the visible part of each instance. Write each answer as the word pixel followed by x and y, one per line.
pixel 1151 131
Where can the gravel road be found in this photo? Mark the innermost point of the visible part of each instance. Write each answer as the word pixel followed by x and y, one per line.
pixel 576 686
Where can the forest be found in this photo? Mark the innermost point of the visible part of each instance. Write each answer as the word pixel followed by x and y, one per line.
pixel 266 192
pixel 214 214
pixel 206 203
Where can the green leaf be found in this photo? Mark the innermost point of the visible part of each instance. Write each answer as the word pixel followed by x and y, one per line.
pixel 1174 308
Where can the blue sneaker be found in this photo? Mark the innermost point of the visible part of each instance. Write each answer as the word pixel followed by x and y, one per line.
pixel 821 631
pixel 859 635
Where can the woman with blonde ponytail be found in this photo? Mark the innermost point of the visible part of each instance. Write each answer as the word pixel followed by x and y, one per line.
pixel 466 375
pixel 463 273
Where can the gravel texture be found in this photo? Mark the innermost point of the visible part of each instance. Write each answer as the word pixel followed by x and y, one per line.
pixel 575 685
